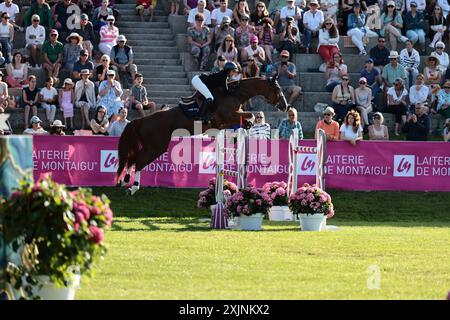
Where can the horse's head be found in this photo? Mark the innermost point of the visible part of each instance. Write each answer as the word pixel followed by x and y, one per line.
pixel 275 94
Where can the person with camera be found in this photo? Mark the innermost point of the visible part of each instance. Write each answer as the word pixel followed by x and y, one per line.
pixel 289 37
pixel 108 36
pixel 397 102
pixel 266 36
pixel 417 126
pixel 343 97
pixel 446 133
pixel 253 53
pixel 287 73
pixel 222 31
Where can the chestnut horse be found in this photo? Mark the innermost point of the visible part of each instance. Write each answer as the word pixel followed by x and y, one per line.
pixel 145 139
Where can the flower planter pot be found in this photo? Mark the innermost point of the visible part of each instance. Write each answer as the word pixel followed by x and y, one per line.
pixel 50 292
pixel 311 222
pixel 252 222
pixel 280 213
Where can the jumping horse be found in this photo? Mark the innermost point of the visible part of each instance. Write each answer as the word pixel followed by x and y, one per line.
pixel 145 139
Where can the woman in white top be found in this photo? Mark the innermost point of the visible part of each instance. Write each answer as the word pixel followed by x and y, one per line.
pixel 17 72
pixel 6 36
pixel 48 97
pixel 35 127
pixel 351 129
pixel 378 131
pixel 418 93
pixel 261 129
pixel 442 56
pixel 328 41
pixel 85 97
pixel 363 95
pixel 397 102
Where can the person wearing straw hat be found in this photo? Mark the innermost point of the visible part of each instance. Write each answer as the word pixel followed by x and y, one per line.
pixel 66 100
pixel 53 55
pixel 85 97
pixel 72 49
pixel 432 74
pixel 122 57
pixel 108 35
pixel 35 127
pixel 330 126
pixel 56 128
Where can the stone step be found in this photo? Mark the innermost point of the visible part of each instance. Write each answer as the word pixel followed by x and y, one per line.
pixel 161 62
pixel 171 88
pixel 148 36
pixel 166 81
pixel 315 81
pixel 143 51
pixel 122 23
pixel 156 55
pixel 138 43
pixel 166 93
pixel 130 15
pixel 156 68
pixel 164 74
pixel 131 5
pixel 148 30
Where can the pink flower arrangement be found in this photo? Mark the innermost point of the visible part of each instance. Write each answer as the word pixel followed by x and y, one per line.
pixel 207 197
pixel 249 201
pixel 310 199
pixel 277 191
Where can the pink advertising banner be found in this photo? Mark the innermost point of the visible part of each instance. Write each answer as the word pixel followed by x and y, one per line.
pixel 190 163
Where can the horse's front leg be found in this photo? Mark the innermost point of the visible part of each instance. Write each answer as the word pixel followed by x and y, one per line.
pixel 136 185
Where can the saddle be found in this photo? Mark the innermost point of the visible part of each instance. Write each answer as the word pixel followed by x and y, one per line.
pixel 191 105
pixel 190 99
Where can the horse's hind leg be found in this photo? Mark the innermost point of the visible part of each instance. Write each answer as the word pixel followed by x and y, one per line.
pixel 141 161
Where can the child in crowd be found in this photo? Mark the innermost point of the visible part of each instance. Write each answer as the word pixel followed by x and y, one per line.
pixel 48 97
pixel 30 99
pixel 66 101
pixel 3 94
pixel 139 100
pixel 145 7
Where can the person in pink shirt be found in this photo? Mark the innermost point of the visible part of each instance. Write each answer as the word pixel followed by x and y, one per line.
pixel 108 36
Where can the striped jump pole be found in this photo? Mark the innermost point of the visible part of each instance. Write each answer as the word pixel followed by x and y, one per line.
pixel 294 149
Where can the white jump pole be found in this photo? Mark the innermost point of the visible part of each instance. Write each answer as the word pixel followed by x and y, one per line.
pixel 294 149
pixel 240 157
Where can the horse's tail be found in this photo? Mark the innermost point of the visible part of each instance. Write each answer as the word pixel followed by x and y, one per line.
pixel 128 146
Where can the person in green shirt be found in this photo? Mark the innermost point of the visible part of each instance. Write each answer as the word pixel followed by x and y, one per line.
pixel 53 55
pixel 42 9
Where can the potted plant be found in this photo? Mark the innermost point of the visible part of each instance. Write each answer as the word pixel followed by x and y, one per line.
pixel 312 205
pixel 277 191
pixel 249 205
pixel 57 233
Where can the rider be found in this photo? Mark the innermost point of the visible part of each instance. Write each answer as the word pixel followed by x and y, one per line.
pixel 206 83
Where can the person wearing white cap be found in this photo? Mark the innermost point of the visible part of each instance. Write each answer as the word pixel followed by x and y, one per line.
pixel 110 92
pixel 66 99
pixel 201 8
pixel 392 70
pixel 108 36
pixel 363 95
pixel 35 38
pixel 223 31
pixel 122 57
pixel 328 125
pixel 218 14
pixel 391 25
pixel 85 97
pixel 35 127
pixel 442 56
pixel 415 26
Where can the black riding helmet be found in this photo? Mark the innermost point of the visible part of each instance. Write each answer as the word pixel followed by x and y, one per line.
pixel 230 66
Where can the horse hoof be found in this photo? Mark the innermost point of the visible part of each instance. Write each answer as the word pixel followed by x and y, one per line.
pixel 131 191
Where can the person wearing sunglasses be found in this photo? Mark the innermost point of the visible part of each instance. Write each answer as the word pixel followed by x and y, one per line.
pixel 199 37
pixel 397 103
pixel 380 54
pixel 100 123
pixel 415 26
pixel 443 101
pixel 201 8
pixel 287 125
pixel 43 10
pixel 437 26
pixel 363 95
pixel 378 131
pixel 410 61
pixel 417 127
pixel 53 55
pixel 34 39
pixel 257 16
pixel 392 24
pixel 108 36
pixel 328 125
pixel 328 41
pixel 6 36
pixel 101 14
pixel 222 32
pixel 343 97
pixel 260 129
pixel 393 71
pixel 357 30
pixel 418 93
pixel 218 14
pixel 442 56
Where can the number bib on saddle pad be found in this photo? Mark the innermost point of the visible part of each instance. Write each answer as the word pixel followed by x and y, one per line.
pixel 190 110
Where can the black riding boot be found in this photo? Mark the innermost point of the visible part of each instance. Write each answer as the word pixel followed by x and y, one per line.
pixel 206 110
